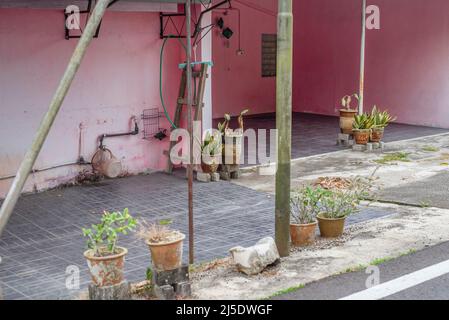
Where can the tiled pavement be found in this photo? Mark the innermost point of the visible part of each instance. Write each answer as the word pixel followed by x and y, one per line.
pixel 43 236
pixel 316 134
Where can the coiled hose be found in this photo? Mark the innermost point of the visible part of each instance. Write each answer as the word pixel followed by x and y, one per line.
pixel 160 78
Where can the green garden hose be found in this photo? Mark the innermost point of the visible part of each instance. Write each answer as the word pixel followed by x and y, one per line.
pixel 160 80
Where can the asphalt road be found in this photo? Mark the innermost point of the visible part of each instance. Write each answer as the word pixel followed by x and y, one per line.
pixel 423 275
pixel 430 192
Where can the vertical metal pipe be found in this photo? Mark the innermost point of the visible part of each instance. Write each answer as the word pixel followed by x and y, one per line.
pixel 190 128
pixel 55 104
pixel 284 124
pixel 362 60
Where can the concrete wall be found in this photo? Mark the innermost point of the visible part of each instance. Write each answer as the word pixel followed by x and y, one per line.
pixel 118 79
pixel 406 60
pixel 237 79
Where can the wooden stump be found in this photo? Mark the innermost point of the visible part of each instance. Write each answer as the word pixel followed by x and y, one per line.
pixel 228 172
pixel 169 284
pixel 120 291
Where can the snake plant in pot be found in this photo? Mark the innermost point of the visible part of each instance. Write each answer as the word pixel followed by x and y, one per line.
pixel 211 152
pixel 381 119
pixel 304 204
pixel 232 139
pixel 362 128
pixel 104 258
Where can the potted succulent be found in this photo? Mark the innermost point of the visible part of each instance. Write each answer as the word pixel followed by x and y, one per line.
pixel 232 139
pixel 165 246
pixel 347 114
pixel 104 258
pixel 362 128
pixel 380 121
pixel 211 153
pixel 336 205
pixel 304 205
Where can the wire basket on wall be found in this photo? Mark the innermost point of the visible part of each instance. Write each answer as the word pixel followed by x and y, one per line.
pixel 150 118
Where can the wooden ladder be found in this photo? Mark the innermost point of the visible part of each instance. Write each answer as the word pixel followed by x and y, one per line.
pixel 199 78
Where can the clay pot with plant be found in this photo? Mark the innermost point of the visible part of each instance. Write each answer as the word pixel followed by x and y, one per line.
pixel 347 113
pixel 232 139
pixel 211 153
pixel 381 120
pixel 362 128
pixel 104 258
pixel 304 204
pixel 165 246
pixel 336 205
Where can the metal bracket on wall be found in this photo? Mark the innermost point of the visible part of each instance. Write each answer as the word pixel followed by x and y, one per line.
pixel 167 19
pixel 87 12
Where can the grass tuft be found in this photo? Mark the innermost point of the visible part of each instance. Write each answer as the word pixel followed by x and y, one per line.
pixel 286 291
pixel 394 157
pixel 430 149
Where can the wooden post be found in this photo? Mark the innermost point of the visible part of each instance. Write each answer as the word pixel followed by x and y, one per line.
pixel 45 126
pixel 362 59
pixel 190 128
pixel 284 124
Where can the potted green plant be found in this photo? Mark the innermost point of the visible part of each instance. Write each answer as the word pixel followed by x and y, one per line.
pixel 224 126
pixel 336 205
pixel 104 258
pixel 232 139
pixel 362 128
pixel 304 204
pixel 380 121
pixel 347 113
pixel 211 152
pixel 165 245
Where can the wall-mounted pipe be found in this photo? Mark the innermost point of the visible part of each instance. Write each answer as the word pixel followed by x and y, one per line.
pixel 12 176
pixel 135 132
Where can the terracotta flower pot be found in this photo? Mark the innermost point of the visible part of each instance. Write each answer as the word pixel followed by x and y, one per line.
pixel 362 136
pixel 347 118
pixel 331 228
pixel 377 134
pixel 303 234
pixel 106 271
pixel 167 256
pixel 212 164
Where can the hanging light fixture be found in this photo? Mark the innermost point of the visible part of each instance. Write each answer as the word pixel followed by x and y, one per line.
pixel 227 33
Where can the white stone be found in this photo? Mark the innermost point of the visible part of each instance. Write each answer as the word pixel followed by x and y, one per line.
pixel 215 177
pixel 267 169
pixel 203 177
pixel 254 260
pixel 359 147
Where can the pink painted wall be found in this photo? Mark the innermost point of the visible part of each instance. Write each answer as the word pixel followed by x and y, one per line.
pixel 406 61
pixel 118 79
pixel 237 80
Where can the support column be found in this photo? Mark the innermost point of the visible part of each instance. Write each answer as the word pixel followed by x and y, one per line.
pixel 206 55
pixel 362 60
pixel 45 126
pixel 284 124
pixel 190 128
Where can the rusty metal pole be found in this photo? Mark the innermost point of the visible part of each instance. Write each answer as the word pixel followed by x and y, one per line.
pixel 362 60
pixel 55 104
pixel 284 124
pixel 190 129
